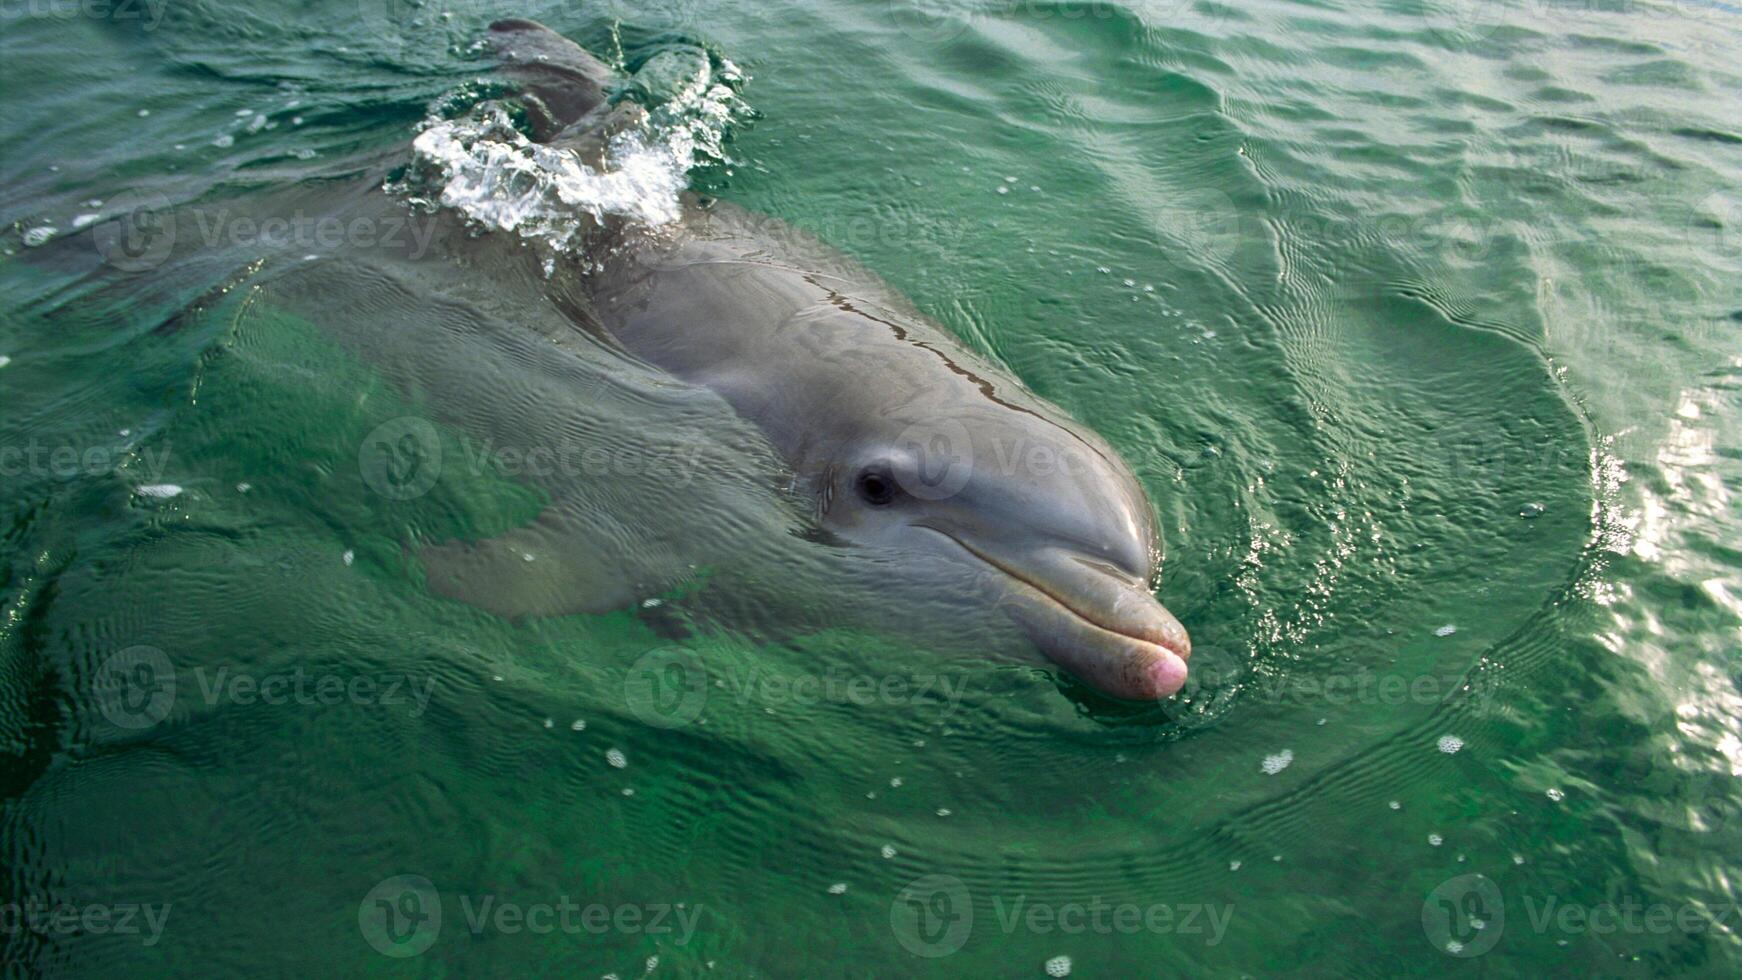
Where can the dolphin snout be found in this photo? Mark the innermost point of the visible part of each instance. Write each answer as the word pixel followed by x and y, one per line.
pixel 1096 621
pixel 1132 648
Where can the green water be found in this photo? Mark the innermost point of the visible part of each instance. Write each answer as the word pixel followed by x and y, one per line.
pixel 1419 320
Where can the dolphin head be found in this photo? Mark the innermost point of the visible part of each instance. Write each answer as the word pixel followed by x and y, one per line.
pixel 1049 516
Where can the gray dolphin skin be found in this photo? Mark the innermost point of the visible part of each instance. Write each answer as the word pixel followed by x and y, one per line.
pixel 905 441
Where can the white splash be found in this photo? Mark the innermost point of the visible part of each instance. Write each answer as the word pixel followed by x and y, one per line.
pixel 159 491
pixel 1274 764
pixel 486 169
pixel 1450 744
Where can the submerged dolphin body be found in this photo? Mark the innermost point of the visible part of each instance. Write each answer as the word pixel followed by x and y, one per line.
pixel 902 441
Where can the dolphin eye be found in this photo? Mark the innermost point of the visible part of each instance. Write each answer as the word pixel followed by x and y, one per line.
pixel 877 487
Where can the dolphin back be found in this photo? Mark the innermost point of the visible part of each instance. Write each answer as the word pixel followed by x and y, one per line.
pixel 562 81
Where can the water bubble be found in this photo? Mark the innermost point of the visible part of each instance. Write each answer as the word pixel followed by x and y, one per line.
pixel 1450 744
pixel 616 758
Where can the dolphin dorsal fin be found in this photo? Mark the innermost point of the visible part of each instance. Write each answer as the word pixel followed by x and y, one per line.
pixel 566 80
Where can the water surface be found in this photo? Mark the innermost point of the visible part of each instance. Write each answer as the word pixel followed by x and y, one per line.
pixel 1419 321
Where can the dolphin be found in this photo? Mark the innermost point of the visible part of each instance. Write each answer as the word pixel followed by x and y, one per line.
pixel 901 440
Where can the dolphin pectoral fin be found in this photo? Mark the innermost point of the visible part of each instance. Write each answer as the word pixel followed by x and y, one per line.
pixel 567 81
pixel 555 566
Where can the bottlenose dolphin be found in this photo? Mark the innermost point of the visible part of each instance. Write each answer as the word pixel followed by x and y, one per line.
pixel 906 472
pixel 901 439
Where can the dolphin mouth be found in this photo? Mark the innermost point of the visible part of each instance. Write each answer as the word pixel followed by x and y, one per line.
pixel 1104 628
